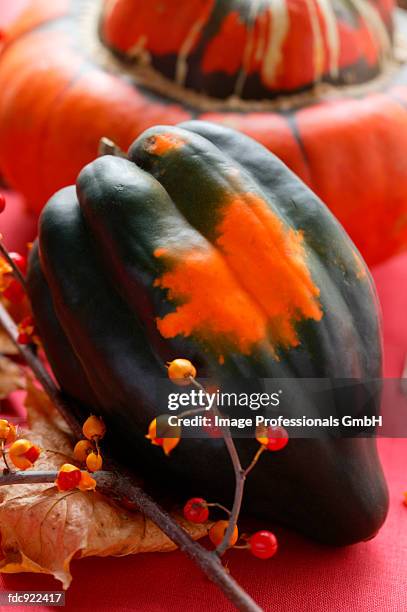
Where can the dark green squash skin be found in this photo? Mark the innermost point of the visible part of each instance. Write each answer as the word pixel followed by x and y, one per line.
pixel 93 298
pixel 75 381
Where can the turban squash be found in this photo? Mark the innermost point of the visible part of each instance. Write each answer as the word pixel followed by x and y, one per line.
pixel 204 245
pixel 316 81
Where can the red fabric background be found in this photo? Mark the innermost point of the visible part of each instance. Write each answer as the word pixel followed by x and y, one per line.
pixel 369 577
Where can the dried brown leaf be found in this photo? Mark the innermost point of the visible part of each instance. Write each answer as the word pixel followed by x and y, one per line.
pixel 7 346
pixel 12 377
pixel 42 529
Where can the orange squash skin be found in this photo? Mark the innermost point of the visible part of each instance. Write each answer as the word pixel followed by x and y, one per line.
pixel 57 102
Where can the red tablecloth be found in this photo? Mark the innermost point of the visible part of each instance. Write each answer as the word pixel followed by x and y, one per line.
pixel 369 577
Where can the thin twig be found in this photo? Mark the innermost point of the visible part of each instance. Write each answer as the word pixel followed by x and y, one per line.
pixel 29 477
pixel 220 506
pixel 4 456
pixel 192 412
pixel 16 270
pixel 255 459
pixel 206 559
pixel 240 477
pixel 119 488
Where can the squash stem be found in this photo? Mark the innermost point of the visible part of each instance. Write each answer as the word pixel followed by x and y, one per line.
pixel 108 147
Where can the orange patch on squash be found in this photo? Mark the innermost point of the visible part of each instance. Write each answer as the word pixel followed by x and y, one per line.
pixel 255 287
pixel 213 303
pixel 269 259
pixel 160 144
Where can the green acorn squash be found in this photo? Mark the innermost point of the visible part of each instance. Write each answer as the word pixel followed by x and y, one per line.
pixel 204 245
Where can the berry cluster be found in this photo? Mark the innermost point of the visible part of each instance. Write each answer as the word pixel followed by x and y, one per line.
pixel 86 452
pixel 23 454
pixel 262 544
pixel 182 372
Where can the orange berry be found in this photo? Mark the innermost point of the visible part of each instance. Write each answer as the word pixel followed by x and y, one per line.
pixel 217 533
pixel 4 429
pixel 93 427
pixel 180 371
pixel 86 483
pixel 94 462
pixel 168 444
pixel 69 477
pixel 8 432
pixel 82 449
pixel 23 453
pixel 171 434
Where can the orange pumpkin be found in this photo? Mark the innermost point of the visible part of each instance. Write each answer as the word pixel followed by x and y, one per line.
pixel 318 82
